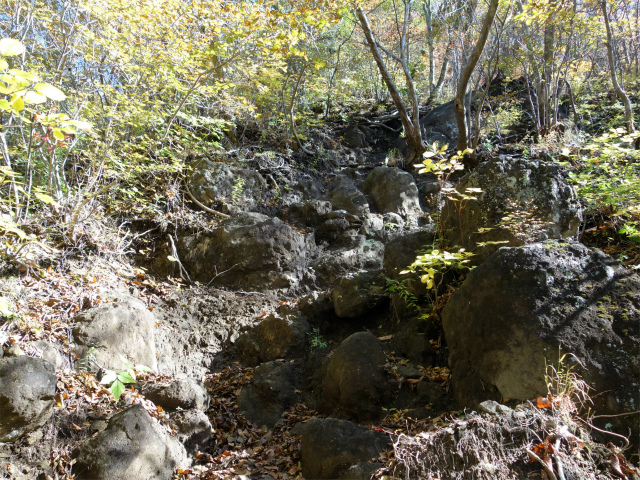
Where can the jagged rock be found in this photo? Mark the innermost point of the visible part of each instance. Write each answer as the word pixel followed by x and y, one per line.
pixel 194 429
pixel 515 310
pixel 218 184
pixel 354 383
pixel 354 295
pixel 27 388
pixel 132 446
pixel 364 254
pixel 184 393
pixel 353 137
pixel 440 125
pixel 361 471
pixel 413 341
pixel 393 190
pixel 344 195
pixel 329 447
pixel 250 251
pixel 310 213
pixel 275 337
pixel 270 393
pixel 125 328
pixel 337 225
pixel 522 201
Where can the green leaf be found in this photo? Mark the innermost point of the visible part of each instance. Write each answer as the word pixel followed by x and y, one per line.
pixel 31 77
pixel 116 390
pixel 172 259
pixel 3 64
pixel 58 134
pixel 10 47
pixel 50 91
pixel 126 377
pixel 4 105
pixel 46 199
pixel 109 377
pixel 34 98
pixel 17 103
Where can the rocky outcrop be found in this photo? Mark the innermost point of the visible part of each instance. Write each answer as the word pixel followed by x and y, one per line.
pixel 393 191
pixel 521 201
pixel 132 446
pixel 123 328
pixel 354 384
pixel 515 310
pixel 250 251
pixel 183 393
pixel 27 388
pixel 329 447
pixel 226 187
pixel 344 195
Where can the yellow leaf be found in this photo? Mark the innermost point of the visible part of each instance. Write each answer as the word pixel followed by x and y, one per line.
pixel 10 47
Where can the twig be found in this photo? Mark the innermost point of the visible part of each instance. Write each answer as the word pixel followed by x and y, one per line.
pixel 536 458
pixel 177 259
pixel 218 274
pixel 590 425
pixel 206 209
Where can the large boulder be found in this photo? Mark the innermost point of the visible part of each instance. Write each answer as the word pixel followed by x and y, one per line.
pixel 354 384
pixel 251 251
pixel 364 254
pixel 522 201
pixel 133 445
pixel 123 328
pixel 344 195
pixel 270 393
pixel 514 311
pixel 220 185
pixel 27 388
pixel 393 191
pixel 329 447
pixel 277 336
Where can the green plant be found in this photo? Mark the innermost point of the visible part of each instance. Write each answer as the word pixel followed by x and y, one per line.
pixel 315 339
pixel 236 191
pixel 566 391
pixel 396 287
pixel 435 261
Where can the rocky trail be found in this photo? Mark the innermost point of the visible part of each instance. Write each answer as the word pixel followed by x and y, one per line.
pixel 284 342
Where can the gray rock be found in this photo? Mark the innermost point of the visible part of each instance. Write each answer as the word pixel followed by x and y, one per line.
pixel 132 446
pixel 440 125
pixel 184 393
pixel 354 383
pixel 251 251
pixel 494 408
pixel 329 447
pixel 194 429
pixel 412 341
pixel 213 183
pixel 363 254
pixel 344 195
pixel 361 471
pixel 51 352
pixel 353 137
pixel 27 388
pixel 515 310
pixel 337 225
pixel 269 395
pixel 536 195
pixel 122 328
pixel 310 213
pixel 393 190
pixel 356 294
pixel 273 338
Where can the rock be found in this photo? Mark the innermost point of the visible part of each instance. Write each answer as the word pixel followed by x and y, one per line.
pixel 344 195
pixel 494 408
pixel 273 338
pixel 353 137
pixel 354 383
pixel 269 395
pixel 184 393
pixel 330 446
pixel 27 388
pixel 310 213
pixel 361 471
pixel 413 341
pixel 364 254
pixel 522 201
pixel 218 184
pixel 337 225
pixel 354 295
pixel 515 310
pixel 51 352
pixel 132 446
pixel 440 125
pixel 251 252
pixel 393 190
pixel 194 429
pixel 124 328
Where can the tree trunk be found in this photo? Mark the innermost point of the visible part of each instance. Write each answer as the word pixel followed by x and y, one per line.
pixel 411 124
pixel 461 114
pixel 624 98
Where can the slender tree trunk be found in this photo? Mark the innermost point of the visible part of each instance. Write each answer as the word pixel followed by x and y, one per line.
pixel 622 95
pixel 459 101
pixel 411 122
pixel 428 16
pixel 443 75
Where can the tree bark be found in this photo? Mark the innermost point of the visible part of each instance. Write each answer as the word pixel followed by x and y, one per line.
pixel 461 114
pixel 622 95
pixel 411 123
